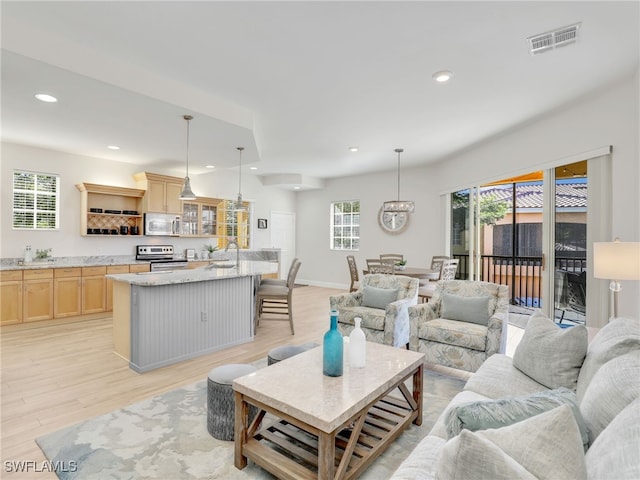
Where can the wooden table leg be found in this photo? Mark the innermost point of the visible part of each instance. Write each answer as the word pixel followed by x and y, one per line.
pixel 418 380
pixel 240 430
pixel 326 456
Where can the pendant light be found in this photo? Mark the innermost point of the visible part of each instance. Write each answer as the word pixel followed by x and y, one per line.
pixel 397 206
pixel 239 205
pixel 187 193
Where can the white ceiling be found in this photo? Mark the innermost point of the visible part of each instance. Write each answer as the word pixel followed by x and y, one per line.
pixel 296 83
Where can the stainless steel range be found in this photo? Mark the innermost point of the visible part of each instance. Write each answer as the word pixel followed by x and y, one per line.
pixel 161 257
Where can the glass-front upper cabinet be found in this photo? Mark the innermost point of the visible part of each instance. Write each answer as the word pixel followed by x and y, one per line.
pixel 199 217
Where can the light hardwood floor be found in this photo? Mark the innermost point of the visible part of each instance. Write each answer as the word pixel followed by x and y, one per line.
pixel 59 375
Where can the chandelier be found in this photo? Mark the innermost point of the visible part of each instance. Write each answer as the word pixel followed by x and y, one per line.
pixel 396 206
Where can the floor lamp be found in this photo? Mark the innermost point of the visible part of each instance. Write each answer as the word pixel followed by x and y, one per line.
pixel 616 261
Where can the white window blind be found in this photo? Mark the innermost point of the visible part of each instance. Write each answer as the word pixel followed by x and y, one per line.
pixel 36 200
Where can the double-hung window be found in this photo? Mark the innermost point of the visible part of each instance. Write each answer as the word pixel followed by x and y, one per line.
pixel 36 201
pixel 345 225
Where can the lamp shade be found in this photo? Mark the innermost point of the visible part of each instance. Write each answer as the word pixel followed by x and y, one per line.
pixel 616 260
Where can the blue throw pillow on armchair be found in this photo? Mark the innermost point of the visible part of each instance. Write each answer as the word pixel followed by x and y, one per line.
pixel 375 297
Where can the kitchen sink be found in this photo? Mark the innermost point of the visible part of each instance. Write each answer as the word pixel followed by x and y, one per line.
pixel 219 265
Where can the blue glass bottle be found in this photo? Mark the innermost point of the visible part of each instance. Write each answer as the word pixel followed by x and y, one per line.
pixel 332 349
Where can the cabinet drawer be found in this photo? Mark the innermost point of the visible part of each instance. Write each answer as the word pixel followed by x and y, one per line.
pixel 93 271
pixel 67 272
pixel 140 267
pixel 11 275
pixel 118 269
pixel 37 274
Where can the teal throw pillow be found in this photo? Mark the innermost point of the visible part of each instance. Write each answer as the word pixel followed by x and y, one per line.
pixel 483 415
pixel 375 297
pixel 465 309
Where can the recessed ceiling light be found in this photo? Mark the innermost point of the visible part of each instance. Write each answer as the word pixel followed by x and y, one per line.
pixel 353 149
pixel 113 147
pixel 209 166
pixel 43 97
pixel 253 168
pixel 442 76
pixel 296 188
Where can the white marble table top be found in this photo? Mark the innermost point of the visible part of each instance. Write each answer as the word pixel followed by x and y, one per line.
pixel 202 274
pixel 296 386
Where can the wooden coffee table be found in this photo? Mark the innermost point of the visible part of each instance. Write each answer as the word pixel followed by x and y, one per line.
pixel 326 427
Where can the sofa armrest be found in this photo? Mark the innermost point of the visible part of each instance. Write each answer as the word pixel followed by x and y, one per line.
pixel 423 312
pixel 497 333
pixel 345 300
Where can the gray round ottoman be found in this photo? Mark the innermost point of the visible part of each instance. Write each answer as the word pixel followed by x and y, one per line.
pixel 220 399
pixel 281 353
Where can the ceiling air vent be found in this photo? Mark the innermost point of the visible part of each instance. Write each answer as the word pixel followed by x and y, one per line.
pixel 550 40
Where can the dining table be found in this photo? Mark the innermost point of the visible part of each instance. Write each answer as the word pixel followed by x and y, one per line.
pixel 415 272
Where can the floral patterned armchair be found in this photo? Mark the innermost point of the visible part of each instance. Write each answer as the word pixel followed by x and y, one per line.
pixel 463 324
pixel 384 313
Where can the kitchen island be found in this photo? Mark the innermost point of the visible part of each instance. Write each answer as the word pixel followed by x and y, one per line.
pixel 161 318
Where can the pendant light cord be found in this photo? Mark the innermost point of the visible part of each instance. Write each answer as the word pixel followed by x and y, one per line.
pixel 399 151
pixel 240 149
pixel 188 118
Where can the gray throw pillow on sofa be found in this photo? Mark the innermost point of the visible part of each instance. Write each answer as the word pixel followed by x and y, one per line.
pixel 551 355
pixel 465 309
pixel 499 413
pixel 375 297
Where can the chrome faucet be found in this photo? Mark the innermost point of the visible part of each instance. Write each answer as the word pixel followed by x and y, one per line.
pixel 235 243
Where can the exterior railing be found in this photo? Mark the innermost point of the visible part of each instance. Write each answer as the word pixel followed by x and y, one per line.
pixel 522 274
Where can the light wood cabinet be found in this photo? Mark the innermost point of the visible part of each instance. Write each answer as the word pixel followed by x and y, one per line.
pixel 199 217
pixel 94 295
pixel 112 269
pixel 140 267
pixel 10 297
pixel 37 295
pixel 162 192
pixel 104 209
pixel 67 292
pixel 193 265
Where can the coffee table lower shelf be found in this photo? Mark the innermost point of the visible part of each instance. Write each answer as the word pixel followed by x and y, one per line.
pixel 291 451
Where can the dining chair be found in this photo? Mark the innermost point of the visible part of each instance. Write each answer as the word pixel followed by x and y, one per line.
pixel 393 257
pixel 447 273
pixel 437 261
pixel 353 272
pixel 375 265
pixel 277 299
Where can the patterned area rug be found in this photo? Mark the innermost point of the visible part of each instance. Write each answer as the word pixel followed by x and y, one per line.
pixel 165 437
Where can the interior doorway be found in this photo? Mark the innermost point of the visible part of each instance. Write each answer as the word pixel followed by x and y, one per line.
pixel 283 229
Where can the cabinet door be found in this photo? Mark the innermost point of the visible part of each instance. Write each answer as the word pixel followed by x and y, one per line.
pixel 11 305
pixel 172 198
pixel 209 216
pixel 37 299
pixel 190 218
pixel 155 196
pixel 113 269
pixel 94 294
pixel 67 301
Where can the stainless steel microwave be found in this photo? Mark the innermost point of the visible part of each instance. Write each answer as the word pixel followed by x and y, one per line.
pixel 167 224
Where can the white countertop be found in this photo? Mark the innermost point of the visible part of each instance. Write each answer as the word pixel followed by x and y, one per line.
pixel 202 274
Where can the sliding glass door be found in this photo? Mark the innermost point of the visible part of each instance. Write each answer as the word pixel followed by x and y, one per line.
pixel 497 234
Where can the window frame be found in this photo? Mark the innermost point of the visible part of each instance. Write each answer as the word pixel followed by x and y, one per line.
pixel 29 206
pixel 353 215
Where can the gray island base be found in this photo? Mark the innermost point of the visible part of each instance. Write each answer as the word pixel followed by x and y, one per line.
pixel 164 318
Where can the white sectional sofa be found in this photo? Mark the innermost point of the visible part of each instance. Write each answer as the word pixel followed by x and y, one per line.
pixel 524 443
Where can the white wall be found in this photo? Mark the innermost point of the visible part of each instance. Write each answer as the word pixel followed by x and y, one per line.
pixel 608 118
pixel 75 169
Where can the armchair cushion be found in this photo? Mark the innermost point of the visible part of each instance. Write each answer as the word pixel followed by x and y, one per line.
pixel 453 332
pixel 551 355
pixel 375 297
pixel 465 309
